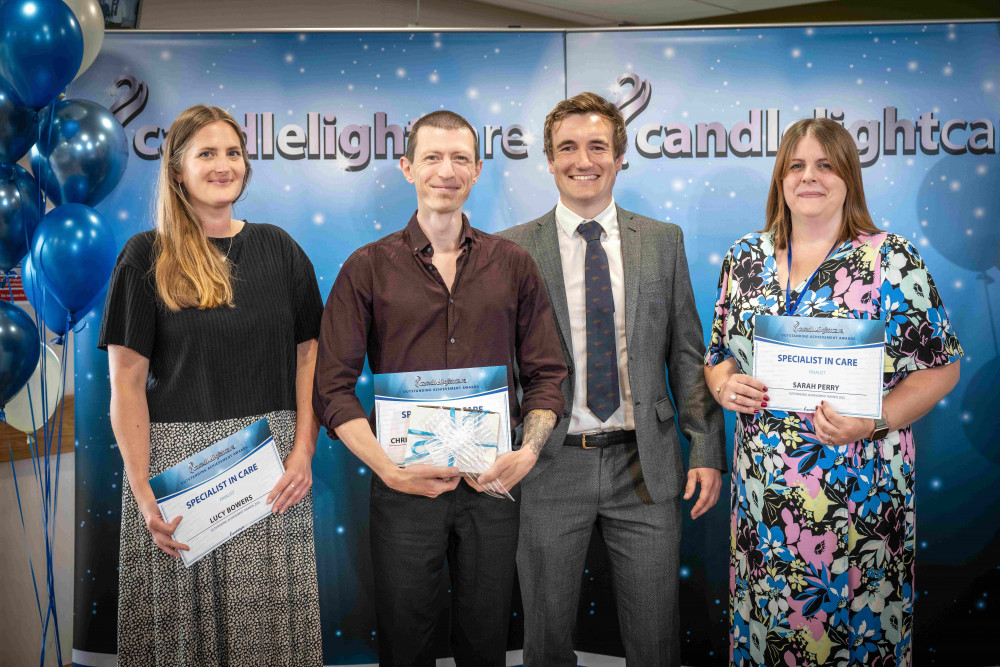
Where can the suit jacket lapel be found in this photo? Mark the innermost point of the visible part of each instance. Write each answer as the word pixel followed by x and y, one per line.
pixel 546 241
pixel 631 257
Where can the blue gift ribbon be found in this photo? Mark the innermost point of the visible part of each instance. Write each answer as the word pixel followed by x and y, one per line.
pixel 429 437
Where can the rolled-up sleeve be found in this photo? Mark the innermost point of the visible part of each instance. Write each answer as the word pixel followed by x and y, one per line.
pixel 540 362
pixel 342 344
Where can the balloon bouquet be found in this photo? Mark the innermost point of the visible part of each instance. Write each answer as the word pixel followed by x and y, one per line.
pixel 78 155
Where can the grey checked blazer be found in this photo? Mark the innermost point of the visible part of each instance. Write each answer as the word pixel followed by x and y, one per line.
pixel 662 329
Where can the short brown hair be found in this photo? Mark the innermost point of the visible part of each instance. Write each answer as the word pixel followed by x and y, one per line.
pixel 445 120
pixel 842 152
pixel 588 103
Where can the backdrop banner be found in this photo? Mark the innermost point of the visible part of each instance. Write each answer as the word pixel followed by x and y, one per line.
pixel 326 115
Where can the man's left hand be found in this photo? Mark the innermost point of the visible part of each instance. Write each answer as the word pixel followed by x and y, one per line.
pixel 711 483
pixel 510 468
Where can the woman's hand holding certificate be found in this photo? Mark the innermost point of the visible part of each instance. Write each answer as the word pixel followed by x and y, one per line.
pixel 742 393
pixel 294 484
pixel 161 531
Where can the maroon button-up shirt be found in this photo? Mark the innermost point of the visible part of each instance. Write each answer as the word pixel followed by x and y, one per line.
pixel 390 303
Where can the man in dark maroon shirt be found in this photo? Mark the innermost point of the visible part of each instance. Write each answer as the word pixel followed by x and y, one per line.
pixel 440 294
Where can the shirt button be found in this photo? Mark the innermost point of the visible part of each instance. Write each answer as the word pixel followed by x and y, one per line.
pixel 452 340
pixel 450 300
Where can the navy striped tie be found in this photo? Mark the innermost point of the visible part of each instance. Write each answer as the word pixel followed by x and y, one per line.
pixel 602 354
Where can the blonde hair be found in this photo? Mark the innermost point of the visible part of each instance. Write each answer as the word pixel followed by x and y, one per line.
pixel 189 271
pixel 842 152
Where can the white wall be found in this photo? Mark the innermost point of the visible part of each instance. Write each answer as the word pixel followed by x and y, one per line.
pixel 319 14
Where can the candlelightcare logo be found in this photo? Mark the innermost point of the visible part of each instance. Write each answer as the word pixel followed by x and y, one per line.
pixel 350 147
pixel 443 382
pixel 761 132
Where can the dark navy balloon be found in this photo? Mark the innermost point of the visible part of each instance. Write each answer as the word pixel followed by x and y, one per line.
pixel 74 253
pixel 18 126
pixel 41 48
pixel 19 214
pixel 19 350
pixel 81 158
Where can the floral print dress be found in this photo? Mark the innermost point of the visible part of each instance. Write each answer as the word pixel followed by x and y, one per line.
pixel 822 548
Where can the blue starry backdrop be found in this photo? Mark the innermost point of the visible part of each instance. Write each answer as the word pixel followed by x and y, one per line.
pixel 325 112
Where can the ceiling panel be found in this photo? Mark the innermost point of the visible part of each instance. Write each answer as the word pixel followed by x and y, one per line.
pixel 759 5
pixel 639 12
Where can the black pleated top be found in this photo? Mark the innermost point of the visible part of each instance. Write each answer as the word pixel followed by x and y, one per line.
pixel 220 363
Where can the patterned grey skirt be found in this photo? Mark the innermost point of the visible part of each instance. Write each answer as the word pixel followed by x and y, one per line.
pixel 252 601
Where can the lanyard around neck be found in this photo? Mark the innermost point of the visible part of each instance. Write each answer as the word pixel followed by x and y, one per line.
pixel 788 284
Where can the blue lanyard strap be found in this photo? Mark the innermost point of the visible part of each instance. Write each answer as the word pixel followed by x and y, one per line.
pixel 788 284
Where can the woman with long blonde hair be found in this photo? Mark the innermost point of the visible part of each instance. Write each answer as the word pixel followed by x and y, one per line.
pixel 211 324
pixel 822 548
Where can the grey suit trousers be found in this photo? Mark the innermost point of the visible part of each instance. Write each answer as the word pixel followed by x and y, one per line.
pixel 559 508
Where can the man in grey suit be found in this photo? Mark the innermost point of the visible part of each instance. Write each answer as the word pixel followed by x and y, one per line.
pixel 624 309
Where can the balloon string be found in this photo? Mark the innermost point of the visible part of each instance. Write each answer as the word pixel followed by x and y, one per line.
pixel 60 401
pixel 54 494
pixel 48 514
pixel 41 184
pixel 20 509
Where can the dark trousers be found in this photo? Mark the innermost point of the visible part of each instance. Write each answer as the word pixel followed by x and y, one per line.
pixel 411 536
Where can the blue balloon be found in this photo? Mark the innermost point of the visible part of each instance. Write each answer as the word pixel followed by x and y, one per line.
pixel 74 253
pixel 19 215
pixel 82 156
pixel 55 317
pixel 19 350
pixel 41 48
pixel 18 126
pixel 955 207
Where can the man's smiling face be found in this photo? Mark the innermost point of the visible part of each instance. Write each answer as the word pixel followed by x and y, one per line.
pixel 583 162
pixel 444 168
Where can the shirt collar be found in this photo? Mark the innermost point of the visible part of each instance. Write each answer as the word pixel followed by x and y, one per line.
pixel 568 221
pixel 419 241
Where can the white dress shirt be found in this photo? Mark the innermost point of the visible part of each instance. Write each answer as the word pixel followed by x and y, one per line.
pixel 573 248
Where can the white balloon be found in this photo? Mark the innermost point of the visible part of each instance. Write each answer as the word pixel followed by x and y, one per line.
pixel 18 411
pixel 91 19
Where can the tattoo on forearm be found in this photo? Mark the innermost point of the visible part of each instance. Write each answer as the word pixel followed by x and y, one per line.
pixel 538 425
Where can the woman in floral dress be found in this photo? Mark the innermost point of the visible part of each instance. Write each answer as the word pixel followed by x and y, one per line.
pixel 822 548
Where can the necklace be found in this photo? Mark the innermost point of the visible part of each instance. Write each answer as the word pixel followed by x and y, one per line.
pixel 231 236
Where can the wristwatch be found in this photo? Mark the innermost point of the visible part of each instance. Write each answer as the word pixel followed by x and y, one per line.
pixel 881 429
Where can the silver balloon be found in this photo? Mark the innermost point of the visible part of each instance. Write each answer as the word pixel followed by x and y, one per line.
pixel 26 411
pixel 82 156
pixel 91 19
